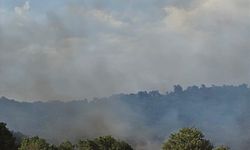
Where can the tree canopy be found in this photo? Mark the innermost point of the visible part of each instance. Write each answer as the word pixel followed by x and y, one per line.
pixel 103 143
pixel 184 139
pixel 66 146
pixel 34 143
pixel 187 139
pixel 222 148
pixel 7 141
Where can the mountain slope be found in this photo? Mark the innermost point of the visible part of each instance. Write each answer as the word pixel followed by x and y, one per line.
pixel 145 118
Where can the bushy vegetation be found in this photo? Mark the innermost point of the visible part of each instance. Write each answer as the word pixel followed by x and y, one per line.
pixel 222 148
pixel 8 142
pixel 67 145
pixel 189 139
pixel 34 143
pixel 185 139
pixel 103 143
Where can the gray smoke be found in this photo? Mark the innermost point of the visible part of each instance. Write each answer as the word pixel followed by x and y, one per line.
pixel 76 49
pixel 144 119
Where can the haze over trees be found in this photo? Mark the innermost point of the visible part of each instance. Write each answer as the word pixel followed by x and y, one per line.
pixel 143 119
pixel 185 139
pixel 8 142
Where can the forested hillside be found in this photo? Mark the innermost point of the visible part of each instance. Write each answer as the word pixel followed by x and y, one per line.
pixel 143 119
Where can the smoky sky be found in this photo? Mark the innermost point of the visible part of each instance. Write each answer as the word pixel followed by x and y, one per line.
pixel 66 50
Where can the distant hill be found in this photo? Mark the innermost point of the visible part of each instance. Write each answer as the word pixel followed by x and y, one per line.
pixel 145 118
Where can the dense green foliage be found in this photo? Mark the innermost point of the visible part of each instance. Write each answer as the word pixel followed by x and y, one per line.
pixel 34 143
pixel 190 139
pixel 66 146
pixel 187 139
pixel 100 143
pixel 103 143
pixel 87 145
pixel 222 148
pixel 7 141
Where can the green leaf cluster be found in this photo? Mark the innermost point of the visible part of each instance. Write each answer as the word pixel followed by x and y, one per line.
pixel 34 143
pixel 222 148
pixel 187 139
pixel 103 143
pixel 184 139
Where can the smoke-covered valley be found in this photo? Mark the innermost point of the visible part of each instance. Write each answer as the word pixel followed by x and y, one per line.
pixel 144 119
pixel 68 50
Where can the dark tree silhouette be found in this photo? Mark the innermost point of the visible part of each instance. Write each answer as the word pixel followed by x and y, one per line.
pixel 178 89
pixel 7 141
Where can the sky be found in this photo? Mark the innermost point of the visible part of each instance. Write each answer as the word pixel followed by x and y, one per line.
pixel 76 49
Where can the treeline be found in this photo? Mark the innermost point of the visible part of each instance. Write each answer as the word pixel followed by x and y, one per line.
pixel 221 112
pixel 184 139
pixel 100 143
pixel 9 142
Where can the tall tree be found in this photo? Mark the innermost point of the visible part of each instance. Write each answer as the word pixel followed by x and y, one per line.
pixel 7 141
pixel 187 139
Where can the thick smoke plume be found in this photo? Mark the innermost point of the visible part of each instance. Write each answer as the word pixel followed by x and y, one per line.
pixel 63 49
